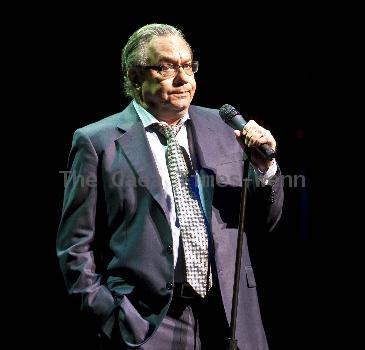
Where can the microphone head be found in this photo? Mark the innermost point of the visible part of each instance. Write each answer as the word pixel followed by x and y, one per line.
pixel 227 112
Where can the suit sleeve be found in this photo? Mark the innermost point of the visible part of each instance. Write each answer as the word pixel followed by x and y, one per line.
pixel 76 233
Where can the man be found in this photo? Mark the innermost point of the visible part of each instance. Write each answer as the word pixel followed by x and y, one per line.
pixel 148 232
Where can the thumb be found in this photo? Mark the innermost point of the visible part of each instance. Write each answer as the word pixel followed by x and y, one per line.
pixel 237 133
pixel 239 138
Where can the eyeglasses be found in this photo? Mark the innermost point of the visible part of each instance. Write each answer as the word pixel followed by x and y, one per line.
pixel 169 70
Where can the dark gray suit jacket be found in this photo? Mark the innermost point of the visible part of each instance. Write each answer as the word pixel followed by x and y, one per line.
pixel 114 240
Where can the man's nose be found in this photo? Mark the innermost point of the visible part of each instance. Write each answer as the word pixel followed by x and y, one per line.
pixel 181 75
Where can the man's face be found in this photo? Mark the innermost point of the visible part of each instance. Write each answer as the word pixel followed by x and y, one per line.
pixel 167 98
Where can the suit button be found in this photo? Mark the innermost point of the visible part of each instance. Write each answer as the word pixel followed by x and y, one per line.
pixel 272 197
pixel 169 286
pixel 169 249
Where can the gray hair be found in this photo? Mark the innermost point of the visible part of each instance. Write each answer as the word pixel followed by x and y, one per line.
pixel 134 52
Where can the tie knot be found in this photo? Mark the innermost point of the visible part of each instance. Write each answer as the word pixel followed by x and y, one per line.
pixel 169 131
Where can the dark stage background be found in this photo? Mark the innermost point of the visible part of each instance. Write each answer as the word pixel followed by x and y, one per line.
pixel 273 66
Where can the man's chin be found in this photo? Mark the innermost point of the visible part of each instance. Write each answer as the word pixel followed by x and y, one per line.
pixel 180 104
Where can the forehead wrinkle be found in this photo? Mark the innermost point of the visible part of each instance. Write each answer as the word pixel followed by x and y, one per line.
pixel 170 51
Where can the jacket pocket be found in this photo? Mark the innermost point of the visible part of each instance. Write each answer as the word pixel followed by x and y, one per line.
pixel 250 277
pixel 133 327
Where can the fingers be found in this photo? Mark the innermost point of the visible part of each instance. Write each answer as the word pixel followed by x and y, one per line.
pixel 255 135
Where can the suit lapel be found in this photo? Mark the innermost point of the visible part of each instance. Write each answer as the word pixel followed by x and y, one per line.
pixel 136 148
pixel 225 163
pixel 216 149
pixel 204 136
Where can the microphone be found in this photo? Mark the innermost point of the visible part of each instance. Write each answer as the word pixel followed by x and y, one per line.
pixel 235 120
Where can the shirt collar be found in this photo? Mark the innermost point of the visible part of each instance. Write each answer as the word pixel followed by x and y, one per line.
pixel 148 119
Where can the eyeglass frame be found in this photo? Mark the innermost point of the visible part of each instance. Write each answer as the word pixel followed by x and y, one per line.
pixel 176 67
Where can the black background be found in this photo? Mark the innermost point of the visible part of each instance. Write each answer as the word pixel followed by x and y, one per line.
pixel 274 64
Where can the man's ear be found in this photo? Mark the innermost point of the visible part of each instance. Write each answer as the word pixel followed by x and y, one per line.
pixel 135 77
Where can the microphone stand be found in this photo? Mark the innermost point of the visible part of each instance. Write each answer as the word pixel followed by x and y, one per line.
pixel 232 341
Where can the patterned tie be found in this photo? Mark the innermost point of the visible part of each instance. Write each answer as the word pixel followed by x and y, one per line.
pixel 193 229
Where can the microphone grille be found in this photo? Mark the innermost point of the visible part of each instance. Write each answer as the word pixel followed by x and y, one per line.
pixel 227 112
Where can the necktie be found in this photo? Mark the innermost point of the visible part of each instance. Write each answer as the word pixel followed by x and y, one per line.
pixel 193 228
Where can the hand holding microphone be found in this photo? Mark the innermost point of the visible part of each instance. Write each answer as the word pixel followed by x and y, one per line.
pixel 252 136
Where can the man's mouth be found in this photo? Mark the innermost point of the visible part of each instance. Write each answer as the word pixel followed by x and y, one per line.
pixel 179 92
